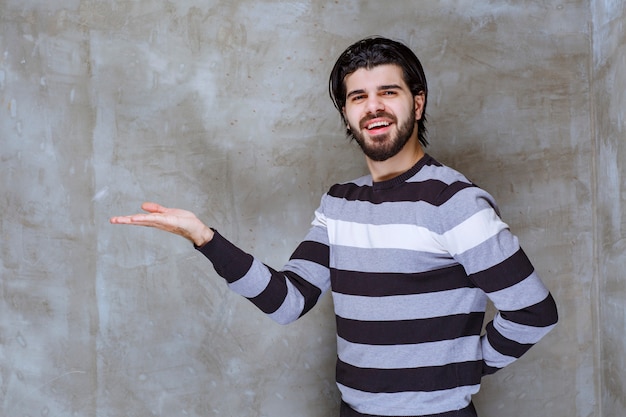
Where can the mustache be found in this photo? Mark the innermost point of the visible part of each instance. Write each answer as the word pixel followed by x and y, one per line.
pixel 364 121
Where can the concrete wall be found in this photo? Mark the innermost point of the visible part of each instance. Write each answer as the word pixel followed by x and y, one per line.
pixel 609 66
pixel 221 108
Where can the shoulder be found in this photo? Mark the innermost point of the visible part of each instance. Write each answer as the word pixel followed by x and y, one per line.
pixel 455 192
pixel 433 170
pixel 447 185
pixel 344 189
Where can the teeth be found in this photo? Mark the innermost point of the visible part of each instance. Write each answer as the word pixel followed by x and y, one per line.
pixel 377 124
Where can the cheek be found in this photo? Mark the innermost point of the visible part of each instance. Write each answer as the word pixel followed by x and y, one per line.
pixel 351 116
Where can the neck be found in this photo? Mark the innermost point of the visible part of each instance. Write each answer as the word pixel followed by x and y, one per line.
pixel 397 164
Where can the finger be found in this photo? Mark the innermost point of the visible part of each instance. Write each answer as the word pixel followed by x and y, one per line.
pixel 120 220
pixel 137 218
pixel 153 207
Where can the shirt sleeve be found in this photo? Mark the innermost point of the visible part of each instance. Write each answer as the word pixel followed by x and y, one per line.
pixel 286 294
pixel 483 244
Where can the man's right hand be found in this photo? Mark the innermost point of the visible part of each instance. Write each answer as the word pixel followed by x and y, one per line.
pixel 180 222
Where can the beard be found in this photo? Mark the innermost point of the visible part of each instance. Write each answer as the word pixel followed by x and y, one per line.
pixel 384 146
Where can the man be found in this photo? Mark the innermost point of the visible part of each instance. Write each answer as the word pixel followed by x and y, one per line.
pixel 410 252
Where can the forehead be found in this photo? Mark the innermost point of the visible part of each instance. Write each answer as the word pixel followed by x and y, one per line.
pixel 372 78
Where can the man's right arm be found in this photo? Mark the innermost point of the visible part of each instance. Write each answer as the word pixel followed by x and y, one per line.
pixel 284 295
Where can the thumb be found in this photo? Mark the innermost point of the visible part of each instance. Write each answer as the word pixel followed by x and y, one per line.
pixel 153 207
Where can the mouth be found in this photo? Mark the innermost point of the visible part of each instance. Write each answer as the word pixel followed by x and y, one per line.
pixel 375 126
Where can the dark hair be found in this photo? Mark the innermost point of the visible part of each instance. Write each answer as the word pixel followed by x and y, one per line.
pixel 372 52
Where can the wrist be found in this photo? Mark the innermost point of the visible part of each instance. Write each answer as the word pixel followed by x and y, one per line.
pixel 203 237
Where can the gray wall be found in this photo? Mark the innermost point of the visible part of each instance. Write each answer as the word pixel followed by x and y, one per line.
pixel 221 108
pixel 609 65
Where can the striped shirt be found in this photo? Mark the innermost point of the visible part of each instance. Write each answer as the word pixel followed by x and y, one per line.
pixel 411 263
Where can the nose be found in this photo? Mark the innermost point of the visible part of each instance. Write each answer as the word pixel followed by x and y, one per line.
pixel 374 104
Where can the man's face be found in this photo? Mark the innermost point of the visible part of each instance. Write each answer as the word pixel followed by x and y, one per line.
pixel 381 111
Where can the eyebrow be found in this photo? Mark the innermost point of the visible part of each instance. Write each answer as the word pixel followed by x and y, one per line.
pixel 379 88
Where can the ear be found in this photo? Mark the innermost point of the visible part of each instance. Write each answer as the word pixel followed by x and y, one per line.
pixel 420 100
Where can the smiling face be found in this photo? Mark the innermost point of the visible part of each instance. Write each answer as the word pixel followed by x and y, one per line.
pixel 381 111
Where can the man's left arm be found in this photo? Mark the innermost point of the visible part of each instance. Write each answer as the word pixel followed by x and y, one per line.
pixel 494 261
pixel 526 311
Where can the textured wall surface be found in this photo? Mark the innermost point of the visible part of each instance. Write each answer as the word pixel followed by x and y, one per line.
pixel 221 107
pixel 609 63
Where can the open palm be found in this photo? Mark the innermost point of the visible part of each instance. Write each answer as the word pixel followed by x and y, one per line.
pixel 180 222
